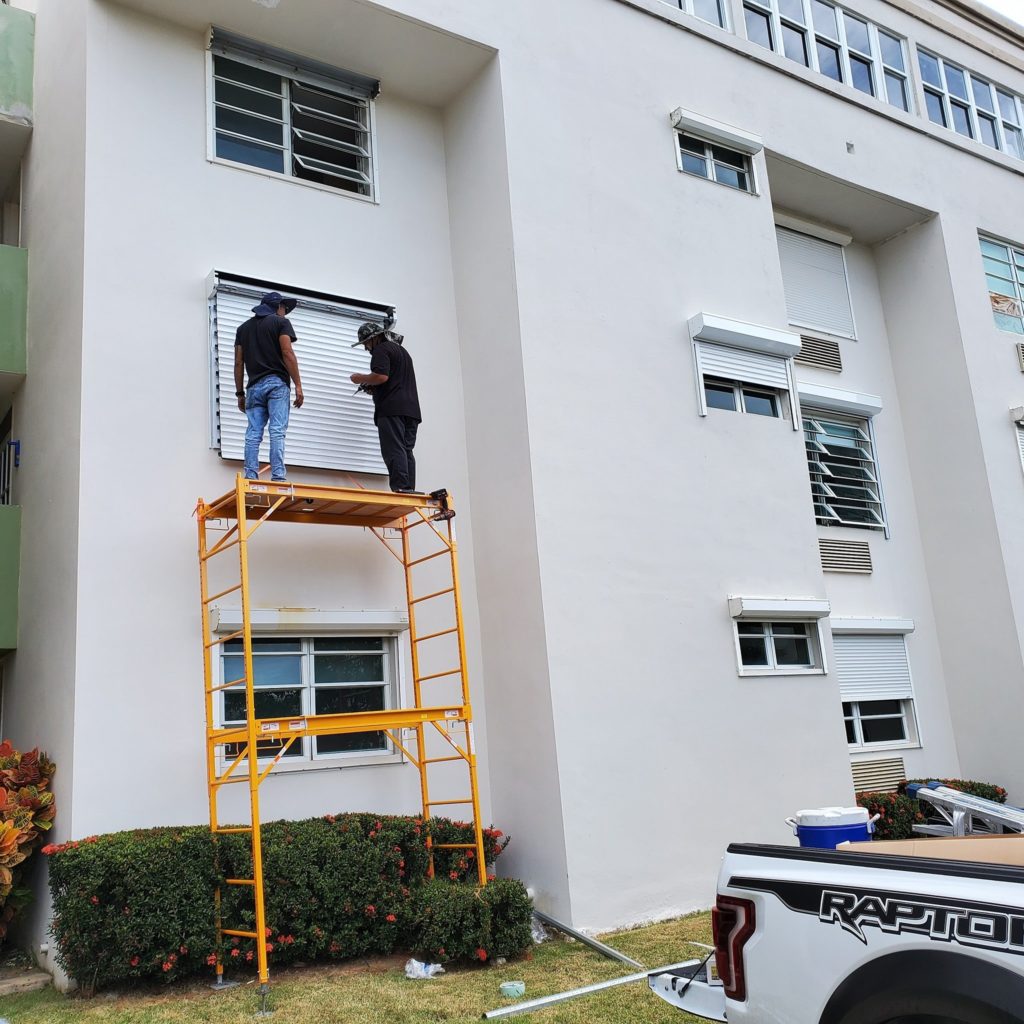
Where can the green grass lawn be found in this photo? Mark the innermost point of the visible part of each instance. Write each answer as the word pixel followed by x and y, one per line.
pixel 378 992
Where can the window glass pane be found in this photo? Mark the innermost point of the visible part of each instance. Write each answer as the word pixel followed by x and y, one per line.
pixel 730 176
pixel 688 144
pixel 824 16
pixel 351 742
pixel 1009 323
pixel 828 60
pixel 1014 141
pixel 267 671
pixel 760 403
pixel 727 156
pixel 792 651
pixel 263 645
pixel 254 127
pixel 249 99
pixel 1000 286
pixel 851 732
pixel 719 396
pixel 794 44
pixel 929 69
pixel 987 131
pixel 792 9
pixel 759 29
pixel 848 709
pixel 1007 107
pixel 343 702
pixel 269 704
pixel 789 628
pixel 860 71
pixel 348 668
pixel 856 516
pixel 750 628
pixel 246 73
pixel 880 707
pixel 956 82
pixel 982 94
pixel 753 651
pixel 961 120
pixel 995 249
pixel 243 152
pixel 883 730
pixel 936 112
pixel 857 34
pixel 695 165
pixel 896 91
pixel 709 10
pixel 892 50
pixel 349 643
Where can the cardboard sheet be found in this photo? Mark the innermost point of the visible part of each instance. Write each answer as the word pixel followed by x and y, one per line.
pixel 995 849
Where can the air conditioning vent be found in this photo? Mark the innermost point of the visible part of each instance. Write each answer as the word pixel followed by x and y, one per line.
pixel 845 555
pixel 878 776
pixel 825 355
pixel 1020 356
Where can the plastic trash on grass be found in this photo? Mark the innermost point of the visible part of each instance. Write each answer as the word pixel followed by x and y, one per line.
pixel 538 931
pixel 416 970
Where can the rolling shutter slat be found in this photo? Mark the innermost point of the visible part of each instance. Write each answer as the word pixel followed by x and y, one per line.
pixel 743 365
pixel 814 278
pixel 334 429
pixel 872 667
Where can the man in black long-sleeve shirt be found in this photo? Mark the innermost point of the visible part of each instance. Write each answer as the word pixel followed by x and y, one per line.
pixel 396 405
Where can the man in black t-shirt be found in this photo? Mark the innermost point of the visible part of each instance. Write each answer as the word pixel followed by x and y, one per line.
pixel 396 405
pixel 263 347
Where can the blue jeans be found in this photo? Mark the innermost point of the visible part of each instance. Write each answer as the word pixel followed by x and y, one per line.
pixel 266 401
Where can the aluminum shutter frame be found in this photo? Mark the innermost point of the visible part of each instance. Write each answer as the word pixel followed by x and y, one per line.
pixel 334 429
pixel 814 278
pixel 872 667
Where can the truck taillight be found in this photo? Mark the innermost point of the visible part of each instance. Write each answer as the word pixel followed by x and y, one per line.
pixel 732 922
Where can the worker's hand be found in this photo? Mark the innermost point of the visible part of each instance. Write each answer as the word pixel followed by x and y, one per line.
pixel 299 398
pixel 241 403
pixel 355 378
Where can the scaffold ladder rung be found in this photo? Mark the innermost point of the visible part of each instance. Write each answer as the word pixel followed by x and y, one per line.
pixel 233 830
pixel 440 803
pixel 238 933
pixel 454 846
pixel 431 636
pixel 436 593
pixel 239 881
pixel 224 639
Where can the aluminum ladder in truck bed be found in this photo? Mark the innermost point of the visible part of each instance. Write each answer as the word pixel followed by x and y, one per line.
pixel 952 813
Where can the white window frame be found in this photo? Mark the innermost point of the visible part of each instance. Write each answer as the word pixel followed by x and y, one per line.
pixel 865 424
pixel 713 163
pixel 1003 124
pixel 686 6
pixel 211 129
pixel 395 650
pixel 907 714
pixel 811 34
pixel 1013 253
pixel 817 650
pixel 739 389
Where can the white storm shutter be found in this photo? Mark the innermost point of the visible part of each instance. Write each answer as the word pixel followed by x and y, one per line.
pixel 872 667
pixel 746 365
pixel 334 428
pixel 814 278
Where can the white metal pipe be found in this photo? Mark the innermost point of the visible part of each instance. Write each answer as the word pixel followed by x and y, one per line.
pixel 560 997
pixel 614 954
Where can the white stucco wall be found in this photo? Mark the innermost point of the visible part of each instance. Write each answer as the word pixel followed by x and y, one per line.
pixel 545 255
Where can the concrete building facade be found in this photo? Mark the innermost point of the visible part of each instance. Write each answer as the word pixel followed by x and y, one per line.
pixel 708 357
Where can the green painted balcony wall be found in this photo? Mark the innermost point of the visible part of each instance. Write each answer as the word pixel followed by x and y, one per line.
pixel 10 560
pixel 13 309
pixel 17 43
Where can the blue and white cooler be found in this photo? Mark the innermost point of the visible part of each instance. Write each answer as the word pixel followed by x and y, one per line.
pixel 824 828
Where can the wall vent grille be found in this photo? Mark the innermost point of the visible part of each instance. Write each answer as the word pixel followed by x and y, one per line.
pixel 845 555
pixel 1020 356
pixel 878 776
pixel 825 355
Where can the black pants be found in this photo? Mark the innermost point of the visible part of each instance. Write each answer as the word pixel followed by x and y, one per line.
pixel 397 440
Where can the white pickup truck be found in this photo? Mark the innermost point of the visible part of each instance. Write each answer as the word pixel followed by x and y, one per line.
pixel 926 931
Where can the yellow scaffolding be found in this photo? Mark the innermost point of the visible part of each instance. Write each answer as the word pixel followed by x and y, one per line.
pixel 230 522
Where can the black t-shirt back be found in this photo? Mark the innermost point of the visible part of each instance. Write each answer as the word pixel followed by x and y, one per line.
pixel 398 396
pixel 261 349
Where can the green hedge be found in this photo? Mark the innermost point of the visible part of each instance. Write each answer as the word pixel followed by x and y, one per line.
pixel 140 904
pixel 899 812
